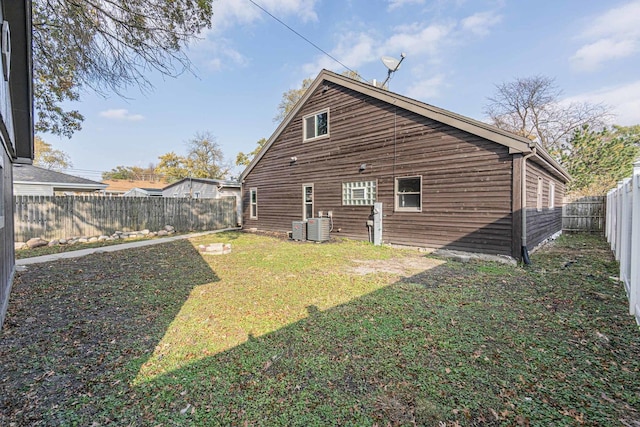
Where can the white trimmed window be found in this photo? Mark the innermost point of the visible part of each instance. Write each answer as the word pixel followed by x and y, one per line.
pixel 307 201
pixel 316 125
pixel 361 193
pixel 539 195
pixel 552 195
pixel 253 203
pixel 408 194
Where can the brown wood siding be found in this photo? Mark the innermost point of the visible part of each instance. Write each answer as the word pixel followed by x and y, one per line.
pixel 543 223
pixel 7 255
pixel 466 180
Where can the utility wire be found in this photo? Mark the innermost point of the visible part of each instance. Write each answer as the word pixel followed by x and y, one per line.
pixel 305 39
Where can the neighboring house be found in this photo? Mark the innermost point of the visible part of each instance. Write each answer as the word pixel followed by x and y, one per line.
pixel 118 187
pixel 16 125
pixel 29 180
pixel 143 192
pixel 444 180
pixel 204 188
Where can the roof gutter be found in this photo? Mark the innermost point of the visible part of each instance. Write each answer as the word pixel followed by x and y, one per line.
pixel 523 195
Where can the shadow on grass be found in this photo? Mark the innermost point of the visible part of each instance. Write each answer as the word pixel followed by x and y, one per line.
pixel 478 344
pixel 81 328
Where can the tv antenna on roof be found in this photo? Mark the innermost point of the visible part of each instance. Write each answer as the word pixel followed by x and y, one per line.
pixel 392 64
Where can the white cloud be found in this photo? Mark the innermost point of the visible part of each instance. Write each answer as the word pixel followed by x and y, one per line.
pixel 395 4
pixel 613 35
pixel 624 100
pixel 590 56
pixel 480 23
pixel 227 13
pixel 121 114
pixel 416 39
pixel 353 50
pixel 426 89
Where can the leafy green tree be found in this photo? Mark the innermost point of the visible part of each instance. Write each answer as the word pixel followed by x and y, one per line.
pixel 106 46
pixel 597 160
pixel 204 159
pixel 243 159
pixel 172 167
pixel 45 156
pixel 131 173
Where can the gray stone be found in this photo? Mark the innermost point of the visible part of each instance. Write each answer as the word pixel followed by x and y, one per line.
pixel 20 245
pixel 169 228
pixel 54 242
pixel 93 239
pixel 102 238
pixel 63 241
pixel 82 240
pixel 145 232
pixel 163 233
pixel 36 242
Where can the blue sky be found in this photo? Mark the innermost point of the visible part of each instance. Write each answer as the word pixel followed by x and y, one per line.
pixel 456 51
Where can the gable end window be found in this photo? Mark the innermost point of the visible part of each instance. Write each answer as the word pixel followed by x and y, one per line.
pixel 316 125
pixel 253 203
pixel 408 194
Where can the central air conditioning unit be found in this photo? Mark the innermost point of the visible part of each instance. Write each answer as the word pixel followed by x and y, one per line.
pixel 299 230
pixel 318 229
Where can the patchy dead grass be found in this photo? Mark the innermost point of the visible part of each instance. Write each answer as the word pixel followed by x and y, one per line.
pixel 345 333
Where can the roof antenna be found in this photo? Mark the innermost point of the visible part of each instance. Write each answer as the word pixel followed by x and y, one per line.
pixel 392 64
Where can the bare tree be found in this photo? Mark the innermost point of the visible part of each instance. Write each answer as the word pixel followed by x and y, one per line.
pixel 531 107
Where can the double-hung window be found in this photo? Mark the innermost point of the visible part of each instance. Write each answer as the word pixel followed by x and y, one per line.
pixel 253 203
pixel 316 125
pixel 408 197
pixel 307 197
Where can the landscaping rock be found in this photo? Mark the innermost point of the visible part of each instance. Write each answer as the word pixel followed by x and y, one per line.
pixel 93 239
pixel 215 248
pixel 163 233
pixel 169 228
pixel 54 242
pixel 36 242
pixel 63 241
pixel 103 238
pixel 145 232
pixel 83 240
pixel 20 245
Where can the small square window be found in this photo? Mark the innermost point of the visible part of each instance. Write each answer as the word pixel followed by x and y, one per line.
pixel 316 125
pixel 409 194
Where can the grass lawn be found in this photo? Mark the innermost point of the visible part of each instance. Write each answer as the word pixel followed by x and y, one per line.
pixel 344 333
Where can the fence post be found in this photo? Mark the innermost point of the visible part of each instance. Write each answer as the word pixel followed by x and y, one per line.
pixel 634 279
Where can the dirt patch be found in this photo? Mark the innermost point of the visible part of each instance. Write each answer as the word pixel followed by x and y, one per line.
pixel 402 266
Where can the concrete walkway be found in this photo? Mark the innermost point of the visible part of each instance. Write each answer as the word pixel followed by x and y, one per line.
pixel 113 248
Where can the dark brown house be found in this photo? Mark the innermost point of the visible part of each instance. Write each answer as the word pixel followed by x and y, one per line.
pixel 444 180
pixel 16 125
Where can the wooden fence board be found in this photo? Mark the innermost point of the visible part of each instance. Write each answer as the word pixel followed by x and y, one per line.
pixel 56 217
pixel 587 214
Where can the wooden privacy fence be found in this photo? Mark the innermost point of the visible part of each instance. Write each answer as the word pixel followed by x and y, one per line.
pixel 623 233
pixel 56 217
pixel 586 214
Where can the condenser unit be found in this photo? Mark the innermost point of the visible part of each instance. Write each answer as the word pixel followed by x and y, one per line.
pixel 318 229
pixel 299 230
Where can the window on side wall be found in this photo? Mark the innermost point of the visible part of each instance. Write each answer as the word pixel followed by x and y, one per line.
pixel 552 195
pixel 408 194
pixel 539 195
pixel 316 125
pixel 253 203
pixel 362 193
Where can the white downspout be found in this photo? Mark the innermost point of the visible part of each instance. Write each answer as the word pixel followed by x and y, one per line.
pixel 525 252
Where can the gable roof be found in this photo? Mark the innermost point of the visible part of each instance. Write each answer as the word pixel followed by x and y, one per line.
pixel 29 174
pixel 515 143
pixel 217 182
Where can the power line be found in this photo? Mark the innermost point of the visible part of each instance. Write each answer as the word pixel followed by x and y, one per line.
pixel 305 39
